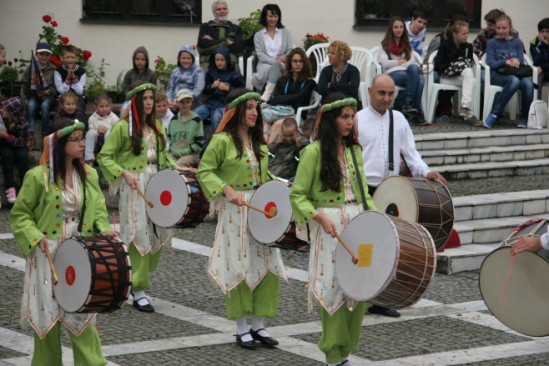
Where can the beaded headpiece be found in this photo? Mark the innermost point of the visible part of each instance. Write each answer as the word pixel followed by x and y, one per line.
pixel 132 108
pixel 329 107
pixel 230 110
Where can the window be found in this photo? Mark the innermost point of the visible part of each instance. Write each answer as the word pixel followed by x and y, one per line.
pixel 378 12
pixel 144 11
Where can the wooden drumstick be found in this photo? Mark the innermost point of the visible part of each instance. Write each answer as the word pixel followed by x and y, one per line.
pixel 148 201
pixel 347 248
pixel 52 267
pixel 272 211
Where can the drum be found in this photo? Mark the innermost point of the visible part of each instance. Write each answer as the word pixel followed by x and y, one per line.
pixel 177 199
pixel 94 275
pixel 396 260
pixel 276 231
pixel 426 202
pixel 516 290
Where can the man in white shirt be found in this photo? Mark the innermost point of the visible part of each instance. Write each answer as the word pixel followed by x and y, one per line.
pixel 417 30
pixel 373 135
pixel 531 243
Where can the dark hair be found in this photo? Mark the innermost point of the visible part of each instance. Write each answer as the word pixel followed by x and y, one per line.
pixel 331 174
pixel 419 13
pixel 289 122
pixel 543 24
pixel 59 167
pixel 137 133
pixel 493 15
pixel 306 72
pixel 388 39
pixel 235 124
pixel 273 8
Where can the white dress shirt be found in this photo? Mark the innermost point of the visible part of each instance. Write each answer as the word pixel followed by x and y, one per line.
pixel 272 45
pixel 373 135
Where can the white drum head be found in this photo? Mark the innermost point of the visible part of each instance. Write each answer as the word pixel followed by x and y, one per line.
pixel 169 194
pixel 267 229
pixel 523 305
pixel 75 276
pixel 374 241
pixel 396 196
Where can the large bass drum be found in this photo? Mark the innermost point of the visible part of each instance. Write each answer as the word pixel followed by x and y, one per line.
pixel 516 289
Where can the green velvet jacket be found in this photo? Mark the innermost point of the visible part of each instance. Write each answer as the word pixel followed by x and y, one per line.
pixel 38 213
pixel 306 194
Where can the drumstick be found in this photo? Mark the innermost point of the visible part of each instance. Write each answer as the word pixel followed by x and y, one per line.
pixel 347 248
pixel 507 277
pixel 52 267
pixel 272 211
pixel 148 201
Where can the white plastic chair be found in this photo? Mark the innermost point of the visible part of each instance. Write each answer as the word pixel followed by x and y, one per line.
pixel 320 53
pixel 315 102
pixel 432 89
pixel 490 90
pixel 249 71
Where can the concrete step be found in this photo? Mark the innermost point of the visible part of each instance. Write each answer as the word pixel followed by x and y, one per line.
pixel 494 169
pixel 464 258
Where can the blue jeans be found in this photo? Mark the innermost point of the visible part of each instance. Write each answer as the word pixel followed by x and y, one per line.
pixel 206 110
pixel 413 81
pixel 45 106
pixel 510 85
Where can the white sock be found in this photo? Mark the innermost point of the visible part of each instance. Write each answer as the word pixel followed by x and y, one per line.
pixel 241 328
pixel 259 323
pixel 138 295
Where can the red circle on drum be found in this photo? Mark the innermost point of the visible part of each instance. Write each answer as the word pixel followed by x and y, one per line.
pixel 268 208
pixel 70 275
pixel 165 198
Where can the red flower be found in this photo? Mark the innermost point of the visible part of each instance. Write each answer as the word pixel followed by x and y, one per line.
pixel 53 23
pixel 55 60
pixel 65 40
pixel 87 54
pixel 156 61
pixel 46 18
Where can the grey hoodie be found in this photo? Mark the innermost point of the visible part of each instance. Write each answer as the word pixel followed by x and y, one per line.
pixel 135 77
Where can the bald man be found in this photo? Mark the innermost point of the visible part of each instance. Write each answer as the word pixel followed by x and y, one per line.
pixel 373 135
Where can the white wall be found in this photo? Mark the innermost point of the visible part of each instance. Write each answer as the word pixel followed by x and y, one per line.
pixel 20 24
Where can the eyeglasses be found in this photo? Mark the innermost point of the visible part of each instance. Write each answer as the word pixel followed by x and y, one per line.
pixel 297 61
pixel 76 139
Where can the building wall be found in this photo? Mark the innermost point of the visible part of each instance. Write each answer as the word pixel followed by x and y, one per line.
pixel 20 24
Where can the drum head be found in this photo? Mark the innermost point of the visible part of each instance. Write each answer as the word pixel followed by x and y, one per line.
pixel 523 305
pixel 267 229
pixel 374 240
pixel 169 194
pixel 75 275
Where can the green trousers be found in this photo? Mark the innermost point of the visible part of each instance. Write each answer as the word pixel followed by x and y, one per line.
pixel 262 301
pixel 340 331
pixel 142 266
pixel 86 348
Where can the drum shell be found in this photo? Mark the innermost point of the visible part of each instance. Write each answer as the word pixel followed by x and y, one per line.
pixel 426 202
pixel 109 269
pixel 515 289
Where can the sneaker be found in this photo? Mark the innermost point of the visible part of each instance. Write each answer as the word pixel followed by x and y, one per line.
pixel 489 121
pixel 474 121
pixel 11 195
pixel 523 123
pixel 466 112
pixel 407 108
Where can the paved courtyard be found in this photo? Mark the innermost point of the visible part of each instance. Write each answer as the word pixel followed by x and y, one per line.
pixel 449 326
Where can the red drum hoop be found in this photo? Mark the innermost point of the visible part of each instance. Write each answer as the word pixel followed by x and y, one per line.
pixel 177 199
pixel 518 300
pixel 396 260
pixel 94 275
pixel 418 200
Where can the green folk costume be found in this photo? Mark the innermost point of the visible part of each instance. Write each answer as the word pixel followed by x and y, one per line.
pixel 46 210
pixel 341 316
pixel 244 269
pixel 140 234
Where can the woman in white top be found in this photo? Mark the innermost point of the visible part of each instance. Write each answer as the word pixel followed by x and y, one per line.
pixel 397 60
pixel 272 44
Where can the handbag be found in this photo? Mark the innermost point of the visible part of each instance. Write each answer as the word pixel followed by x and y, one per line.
pixel 273 113
pixel 521 71
pixel 456 67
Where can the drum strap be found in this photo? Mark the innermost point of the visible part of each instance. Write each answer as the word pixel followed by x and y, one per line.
pixel 83 210
pixel 359 176
pixel 391 138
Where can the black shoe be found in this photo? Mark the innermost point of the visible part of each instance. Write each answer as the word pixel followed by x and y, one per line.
pixel 147 308
pixel 266 341
pixel 376 309
pixel 408 108
pixel 246 345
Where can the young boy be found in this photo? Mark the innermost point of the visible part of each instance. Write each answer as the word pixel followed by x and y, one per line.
pixel 140 71
pixel 222 77
pixel 285 150
pixel 162 111
pixel 186 132
pixel 70 76
pixel 40 89
pixel 99 125
pixel 539 50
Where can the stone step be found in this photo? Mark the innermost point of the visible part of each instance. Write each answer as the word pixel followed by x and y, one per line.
pixel 494 169
pixel 464 258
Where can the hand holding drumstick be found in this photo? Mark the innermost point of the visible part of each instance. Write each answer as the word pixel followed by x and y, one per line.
pixel 44 247
pixel 330 229
pixel 236 198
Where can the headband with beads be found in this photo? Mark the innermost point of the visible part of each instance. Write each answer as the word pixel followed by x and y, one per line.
pixel 230 109
pixel 331 106
pixel 132 108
